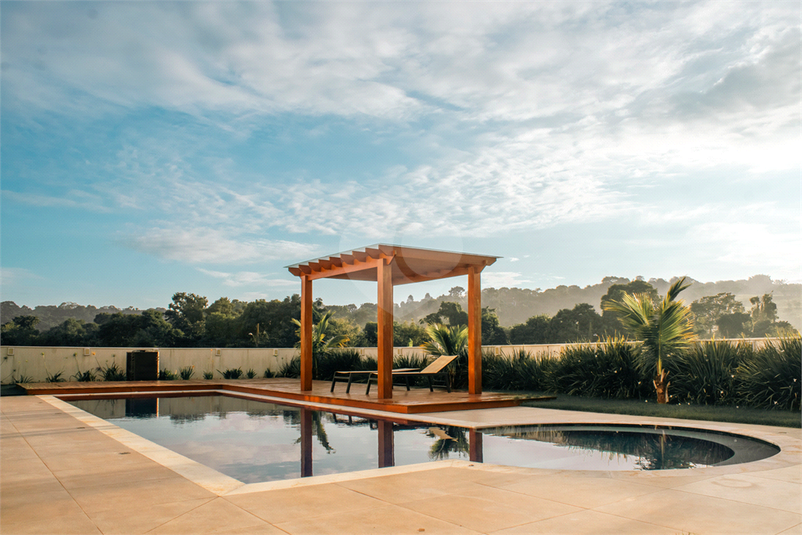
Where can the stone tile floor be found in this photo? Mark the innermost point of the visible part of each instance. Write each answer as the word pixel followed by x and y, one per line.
pixel 62 471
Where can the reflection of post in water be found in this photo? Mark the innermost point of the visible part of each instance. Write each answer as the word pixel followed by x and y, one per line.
pixel 306 443
pixel 386 444
pixel 475 452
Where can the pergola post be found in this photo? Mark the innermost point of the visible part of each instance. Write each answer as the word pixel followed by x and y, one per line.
pixel 306 333
pixel 474 331
pixel 384 277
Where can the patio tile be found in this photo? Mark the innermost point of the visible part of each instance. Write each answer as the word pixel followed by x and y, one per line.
pixel 205 519
pixel 579 490
pixel 792 474
pixel 400 488
pixel 288 504
pixel 101 475
pixel 486 509
pixel 44 512
pixel 120 494
pixel 135 518
pixel 385 519
pixel 694 513
pixel 749 489
pixel 587 523
pixel 796 530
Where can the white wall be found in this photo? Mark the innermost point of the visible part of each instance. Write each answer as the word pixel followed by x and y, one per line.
pixel 37 363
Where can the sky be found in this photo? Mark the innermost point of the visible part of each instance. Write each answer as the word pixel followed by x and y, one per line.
pixel 149 148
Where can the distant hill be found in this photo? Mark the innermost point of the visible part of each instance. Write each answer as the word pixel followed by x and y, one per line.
pixel 51 315
pixel 512 305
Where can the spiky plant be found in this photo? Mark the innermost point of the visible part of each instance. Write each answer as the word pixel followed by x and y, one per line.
pixel 664 328
pixel 445 340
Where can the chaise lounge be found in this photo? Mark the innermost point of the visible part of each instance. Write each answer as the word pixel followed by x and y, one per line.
pixel 436 370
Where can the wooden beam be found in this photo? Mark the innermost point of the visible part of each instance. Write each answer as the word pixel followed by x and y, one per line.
pixel 384 278
pixel 306 333
pixel 474 331
pixel 336 271
pixel 386 444
pixel 306 443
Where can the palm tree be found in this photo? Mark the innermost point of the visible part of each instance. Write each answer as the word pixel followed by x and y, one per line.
pixel 445 340
pixel 321 341
pixel 665 329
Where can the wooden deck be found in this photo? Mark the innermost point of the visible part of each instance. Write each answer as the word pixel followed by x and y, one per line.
pixel 416 401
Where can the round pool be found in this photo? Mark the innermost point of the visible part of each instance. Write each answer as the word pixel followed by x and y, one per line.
pixel 620 447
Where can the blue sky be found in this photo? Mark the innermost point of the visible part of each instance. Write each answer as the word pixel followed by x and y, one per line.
pixel 156 147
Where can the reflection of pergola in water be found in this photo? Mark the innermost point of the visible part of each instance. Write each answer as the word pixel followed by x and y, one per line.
pixel 391 265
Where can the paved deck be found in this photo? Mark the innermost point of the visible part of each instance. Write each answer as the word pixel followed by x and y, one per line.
pixel 62 471
pixel 414 401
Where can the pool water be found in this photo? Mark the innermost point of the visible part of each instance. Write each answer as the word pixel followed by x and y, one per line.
pixel 253 441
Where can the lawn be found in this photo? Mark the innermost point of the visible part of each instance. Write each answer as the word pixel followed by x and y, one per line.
pixel 689 412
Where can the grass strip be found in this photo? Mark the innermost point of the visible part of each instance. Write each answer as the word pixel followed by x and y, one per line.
pixel 726 413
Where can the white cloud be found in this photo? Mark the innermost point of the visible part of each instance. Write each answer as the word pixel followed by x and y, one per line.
pixel 502 279
pixel 248 278
pixel 207 245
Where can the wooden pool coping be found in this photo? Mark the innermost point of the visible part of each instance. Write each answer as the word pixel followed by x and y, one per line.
pixel 414 401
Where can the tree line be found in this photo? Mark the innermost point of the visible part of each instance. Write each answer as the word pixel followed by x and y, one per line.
pixel 190 321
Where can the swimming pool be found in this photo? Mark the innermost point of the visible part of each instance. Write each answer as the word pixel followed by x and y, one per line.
pixel 253 441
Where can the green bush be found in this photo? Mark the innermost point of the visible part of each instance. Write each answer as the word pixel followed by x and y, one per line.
pixel 334 360
pixel 251 373
pixel 705 374
pixel 112 372
pixel 268 374
pixel 231 373
pixel 55 377
pixel 521 371
pixel 82 377
pixel 167 375
pixel 771 378
pixel 607 370
pixel 208 375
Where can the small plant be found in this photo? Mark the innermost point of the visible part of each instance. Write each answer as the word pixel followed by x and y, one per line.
pixel 112 372
pixel 231 373
pixel 85 377
pixel 251 373
pixel 55 377
pixel 269 374
pixel 772 378
pixel 167 375
pixel 187 372
pixel 208 375
pixel 22 379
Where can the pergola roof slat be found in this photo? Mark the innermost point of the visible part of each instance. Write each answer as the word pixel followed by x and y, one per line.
pixel 409 264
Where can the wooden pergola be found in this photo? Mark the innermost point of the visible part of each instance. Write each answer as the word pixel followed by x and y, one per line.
pixel 392 265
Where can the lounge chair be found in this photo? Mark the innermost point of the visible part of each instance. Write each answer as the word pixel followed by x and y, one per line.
pixel 349 375
pixel 437 369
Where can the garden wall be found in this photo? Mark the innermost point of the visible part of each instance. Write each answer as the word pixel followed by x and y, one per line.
pixel 36 363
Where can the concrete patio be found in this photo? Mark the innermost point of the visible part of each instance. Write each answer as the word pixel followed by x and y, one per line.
pixel 64 471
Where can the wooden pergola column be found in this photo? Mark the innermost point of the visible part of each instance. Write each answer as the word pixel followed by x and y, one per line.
pixel 306 333
pixel 385 327
pixel 474 330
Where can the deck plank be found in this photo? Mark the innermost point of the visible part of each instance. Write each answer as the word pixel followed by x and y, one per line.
pixel 414 401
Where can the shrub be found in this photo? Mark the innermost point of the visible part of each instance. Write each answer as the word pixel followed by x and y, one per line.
pixel 607 370
pixel 208 375
pixel 251 373
pixel 186 372
pixel 55 378
pixel 22 379
pixel 771 379
pixel 269 374
pixel 166 375
pixel 83 377
pixel 291 368
pixel 522 371
pixel 705 374
pixel 231 373
pixel 112 372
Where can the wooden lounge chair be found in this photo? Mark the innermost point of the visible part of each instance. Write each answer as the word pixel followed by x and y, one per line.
pixel 349 375
pixel 436 370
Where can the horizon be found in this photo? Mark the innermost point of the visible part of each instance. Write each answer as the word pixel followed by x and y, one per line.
pixel 155 147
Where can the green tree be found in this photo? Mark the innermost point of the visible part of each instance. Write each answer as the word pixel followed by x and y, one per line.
pixel 21 331
pixel 579 324
pixel 408 334
pixel 449 313
pixel 72 332
pixel 534 331
pixel 611 322
pixel 146 330
pixel 709 309
pixel 187 313
pixel 665 329
pixel 273 321
pixel 492 332
pixel 733 325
